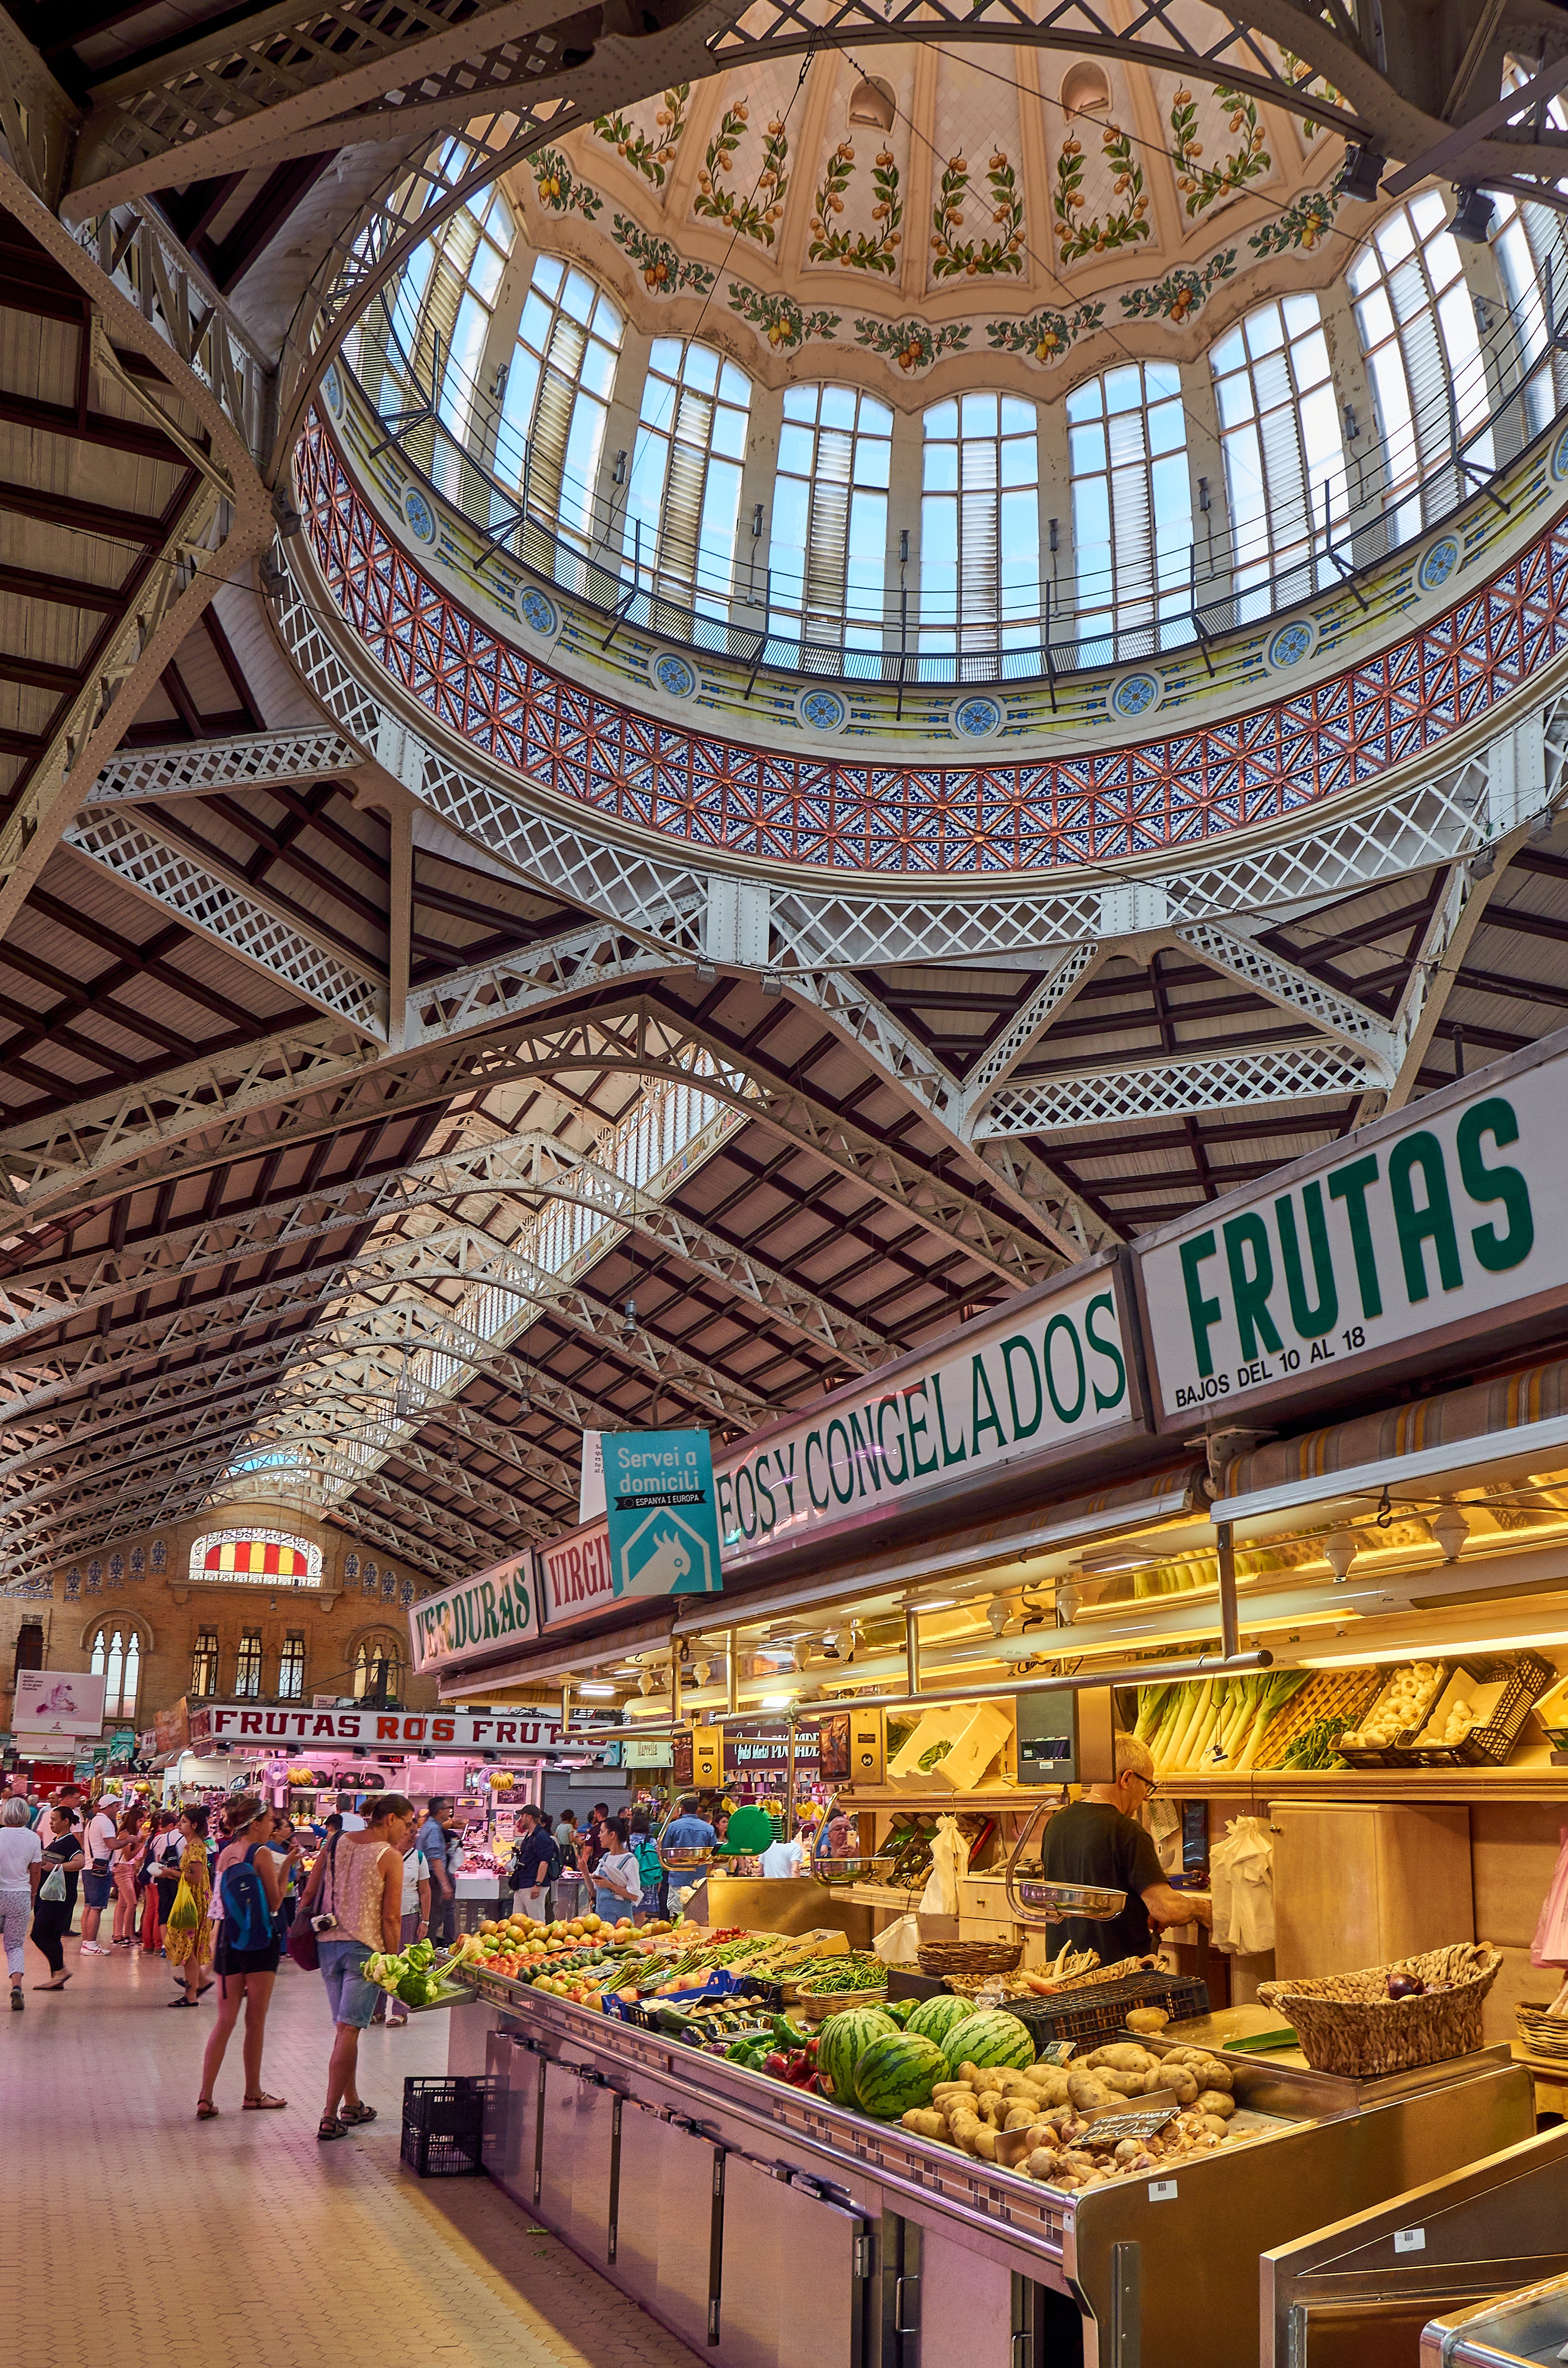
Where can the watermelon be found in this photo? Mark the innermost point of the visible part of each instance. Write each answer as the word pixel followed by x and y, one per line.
pixel 993 2038
pixel 843 2039
pixel 896 2073
pixel 934 2018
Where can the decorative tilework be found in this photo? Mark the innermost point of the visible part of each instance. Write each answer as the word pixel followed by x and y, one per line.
pixel 539 613
pixel 332 387
pixel 1135 695
pixel 73 1586
pixel 673 675
pixel 351 1565
pixel 137 1562
pixel 1560 457
pixel 976 716
pixel 1093 806
pixel 160 1554
pixel 1437 562
pixel 1291 644
pixel 95 1578
pixel 117 1570
pixel 420 515
pixel 821 709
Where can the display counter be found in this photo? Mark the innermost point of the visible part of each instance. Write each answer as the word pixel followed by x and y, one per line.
pixel 768 2229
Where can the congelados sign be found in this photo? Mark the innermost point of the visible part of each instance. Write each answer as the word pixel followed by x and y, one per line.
pixel 1047 1374
pixel 1422 1225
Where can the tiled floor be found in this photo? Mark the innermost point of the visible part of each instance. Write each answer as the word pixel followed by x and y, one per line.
pixel 136 2235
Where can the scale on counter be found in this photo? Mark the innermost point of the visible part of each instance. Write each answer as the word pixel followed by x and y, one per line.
pixel 1034 1901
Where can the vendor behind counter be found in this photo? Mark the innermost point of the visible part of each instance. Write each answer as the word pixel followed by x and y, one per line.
pixel 1100 1841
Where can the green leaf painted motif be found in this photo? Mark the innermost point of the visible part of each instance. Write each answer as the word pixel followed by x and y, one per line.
pixel 1181 292
pixel 651 157
pixel 954 257
pixel 559 187
pixel 1203 186
pixel 1077 237
pixel 753 216
pixel 665 271
pixel 1303 224
pixel 1045 336
pixel 1298 72
pixel 875 251
pixel 911 344
pixel 778 318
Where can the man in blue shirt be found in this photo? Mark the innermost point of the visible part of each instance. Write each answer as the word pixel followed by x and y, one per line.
pixel 687 1830
pixel 431 1840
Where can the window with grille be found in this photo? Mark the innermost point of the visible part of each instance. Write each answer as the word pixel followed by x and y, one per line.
pixel 292 1670
pixel 204 1665
pixel 378 1670
pixel 684 496
pixel 1416 322
pixel 444 301
pixel 1527 240
pixel 559 385
pixel 1131 504
pixel 980 524
pixel 247 1667
pixel 117 1658
pixel 828 548
pixel 1279 431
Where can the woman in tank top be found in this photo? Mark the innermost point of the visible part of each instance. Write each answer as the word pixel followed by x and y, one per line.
pixel 355 1900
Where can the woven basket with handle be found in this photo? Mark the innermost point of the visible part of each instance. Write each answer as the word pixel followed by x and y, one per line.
pixel 1347 2022
pixel 940 1958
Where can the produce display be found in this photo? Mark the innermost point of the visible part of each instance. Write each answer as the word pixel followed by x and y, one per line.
pixel 858 1969
pixel 896 2074
pixel 845 2039
pixel 1220 1724
pixel 1400 1708
pixel 417 1975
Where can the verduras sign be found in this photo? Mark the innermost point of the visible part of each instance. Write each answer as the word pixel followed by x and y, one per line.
pixel 1415 1231
pixel 466 1623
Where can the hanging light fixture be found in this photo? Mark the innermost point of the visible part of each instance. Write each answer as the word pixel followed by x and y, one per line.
pixel 871 105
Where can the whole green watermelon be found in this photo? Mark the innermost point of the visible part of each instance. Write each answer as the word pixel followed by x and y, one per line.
pixel 843 2039
pixel 934 2018
pixel 993 2038
pixel 896 2073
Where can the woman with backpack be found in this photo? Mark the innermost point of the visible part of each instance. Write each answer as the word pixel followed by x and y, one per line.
pixel 247 1892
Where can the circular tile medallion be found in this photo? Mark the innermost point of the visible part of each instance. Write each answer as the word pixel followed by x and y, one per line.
pixel 539 612
pixel 976 716
pixel 1437 562
pixel 1290 643
pixel 1560 456
pixel 421 517
pixel 821 709
pixel 332 388
pixel 1136 695
pixel 674 676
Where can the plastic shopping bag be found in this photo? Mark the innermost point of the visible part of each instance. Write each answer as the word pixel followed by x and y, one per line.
pixel 183 1916
pixel 900 1945
pixel 1240 1870
pixel 949 1859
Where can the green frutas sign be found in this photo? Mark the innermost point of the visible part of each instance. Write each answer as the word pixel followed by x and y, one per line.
pixel 468 1622
pixel 1418 1228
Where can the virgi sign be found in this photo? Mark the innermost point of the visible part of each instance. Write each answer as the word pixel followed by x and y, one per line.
pixel 1421 1226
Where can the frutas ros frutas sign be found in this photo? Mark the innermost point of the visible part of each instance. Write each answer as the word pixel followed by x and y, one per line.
pixel 1425 1222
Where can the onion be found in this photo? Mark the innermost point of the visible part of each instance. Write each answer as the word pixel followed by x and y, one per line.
pixel 1404 1985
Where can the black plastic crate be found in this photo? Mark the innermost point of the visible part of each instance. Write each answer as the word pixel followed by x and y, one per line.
pixel 443 2124
pixel 1101 2010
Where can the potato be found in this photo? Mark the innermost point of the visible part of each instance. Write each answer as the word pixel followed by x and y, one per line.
pixel 965 2129
pixel 1214 2073
pixel 985 2142
pixel 1214 2125
pixel 1089 2093
pixel 1019 2117
pixel 1147 2018
pixel 1049 2083
pixel 1179 2078
pixel 1126 2058
pixel 983 2080
pixel 993 2108
pixel 924 2125
pixel 1126 2084
pixel 1216 2104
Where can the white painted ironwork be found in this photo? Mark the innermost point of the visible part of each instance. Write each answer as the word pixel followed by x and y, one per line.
pixel 166 876
pixel 205 768
pixel 1293 990
pixel 1290 1072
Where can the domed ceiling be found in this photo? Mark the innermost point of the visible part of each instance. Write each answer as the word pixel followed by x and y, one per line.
pixel 913 202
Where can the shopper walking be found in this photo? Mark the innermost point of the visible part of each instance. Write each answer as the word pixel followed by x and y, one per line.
pixel 161 1834
pixel 357 1882
pixel 536 1862
pixel 189 1944
pixel 55 1901
pixel 98 1881
pixel 129 1845
pixel 640 1840
pixel 249 1884
pixel 164 1854
pixel 618 1878
pixel 415 1925
pixel 20 1851
pixel 571 1886
pixel 443 1884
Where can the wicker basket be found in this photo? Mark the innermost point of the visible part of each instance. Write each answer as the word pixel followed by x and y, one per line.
pixel 816 2006
pixel 1347 2023
pixel 1542 2034
pixel 1530 1676
pixel 940 1958
pixel 969 1984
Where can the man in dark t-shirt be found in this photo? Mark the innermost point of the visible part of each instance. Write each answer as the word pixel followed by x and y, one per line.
pixel 1100 1841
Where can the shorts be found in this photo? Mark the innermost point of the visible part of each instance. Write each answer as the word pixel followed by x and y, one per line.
pixel 245 1961
pixel 97 1890
pixel 649 1903
pixel 350 1996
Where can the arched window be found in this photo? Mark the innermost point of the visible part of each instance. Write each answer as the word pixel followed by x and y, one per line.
pixel 1279 431
pixel 1528 243
pixel 291 1668
pixel 1415 318
pixel 980 524
pixel 1132 503
pixel 684 497
pixel 117 1658
pixel 559 385
pixel 828 548
pixel 247 1665
pixel 444 300
pixel 377 1669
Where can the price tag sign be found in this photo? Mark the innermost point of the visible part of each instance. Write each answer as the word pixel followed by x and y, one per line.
pixel 1410 2240
pixel 1109 2129
pixel 1162 2190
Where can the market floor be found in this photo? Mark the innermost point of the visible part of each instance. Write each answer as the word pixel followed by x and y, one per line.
pixel 136 2234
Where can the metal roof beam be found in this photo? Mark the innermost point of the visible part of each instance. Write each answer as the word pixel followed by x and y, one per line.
pixel 1139 1092
pixel 205 768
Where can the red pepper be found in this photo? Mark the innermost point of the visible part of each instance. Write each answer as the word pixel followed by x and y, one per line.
pixel 800 2073
pixel 814 2085
pixel 811 2046
pixel 777 2065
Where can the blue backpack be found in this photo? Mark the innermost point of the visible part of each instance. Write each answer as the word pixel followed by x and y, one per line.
pixel 247 1919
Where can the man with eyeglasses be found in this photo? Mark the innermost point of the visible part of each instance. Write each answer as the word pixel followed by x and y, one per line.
pixel 1100 1841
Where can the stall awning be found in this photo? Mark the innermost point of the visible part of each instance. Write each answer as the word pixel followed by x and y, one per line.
pixel 1516 1422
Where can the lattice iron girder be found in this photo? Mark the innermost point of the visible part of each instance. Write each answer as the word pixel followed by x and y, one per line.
pixel 243 922
pixel 136 1398
pixel 315 1435
pixel 369 1346
pixel 1326 1008
pixel 604 954
pixel 208 768
pixel 1068 972
pixel 1290 1073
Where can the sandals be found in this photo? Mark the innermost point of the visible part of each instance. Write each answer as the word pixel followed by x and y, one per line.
pixel 331 2127
pixel 264 2104
pixel 60 1985
pixel 205 2110
pixel 182 2000
pixel 352 2115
